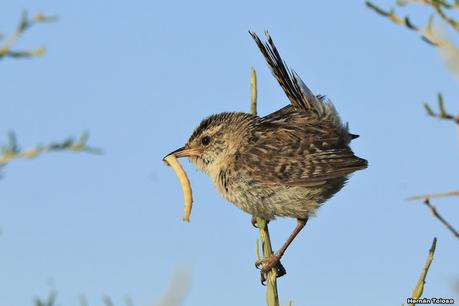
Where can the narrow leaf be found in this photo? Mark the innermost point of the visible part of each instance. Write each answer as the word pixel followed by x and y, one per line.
pixel 441 106
pixel 429 110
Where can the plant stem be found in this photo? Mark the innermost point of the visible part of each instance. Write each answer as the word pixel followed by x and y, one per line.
pixel 272 298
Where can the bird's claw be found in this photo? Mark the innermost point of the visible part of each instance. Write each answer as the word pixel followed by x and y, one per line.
pixel 266 264
pixel 254 221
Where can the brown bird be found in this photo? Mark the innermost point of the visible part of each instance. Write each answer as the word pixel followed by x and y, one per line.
pixel 285 164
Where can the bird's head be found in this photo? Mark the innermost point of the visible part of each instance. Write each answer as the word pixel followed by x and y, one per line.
pixel 217 138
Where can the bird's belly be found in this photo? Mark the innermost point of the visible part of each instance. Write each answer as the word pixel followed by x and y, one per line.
pixel 269 201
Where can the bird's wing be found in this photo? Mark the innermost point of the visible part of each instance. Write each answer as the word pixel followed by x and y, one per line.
pixel 286 155
pixel 300 96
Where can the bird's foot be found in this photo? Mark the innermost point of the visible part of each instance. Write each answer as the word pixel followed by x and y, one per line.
pixel 254 221
pixel 266 264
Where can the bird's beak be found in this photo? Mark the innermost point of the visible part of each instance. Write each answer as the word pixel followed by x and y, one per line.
pixel 183 152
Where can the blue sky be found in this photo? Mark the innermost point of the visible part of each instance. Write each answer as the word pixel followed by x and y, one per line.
pixel 140 76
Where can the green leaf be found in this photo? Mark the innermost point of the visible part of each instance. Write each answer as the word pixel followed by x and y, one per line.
pixel 409 24
pixel 441 106
pixel 377 9
pixel 429 110
pixel 24 22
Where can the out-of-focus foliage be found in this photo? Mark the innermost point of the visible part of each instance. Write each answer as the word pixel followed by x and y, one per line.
pixel 442 10
pixel 25 23
pixel 442 113
pixel 50 301
pixel 433 33
pixel 177 290
pixel 436 36
pixel 11 150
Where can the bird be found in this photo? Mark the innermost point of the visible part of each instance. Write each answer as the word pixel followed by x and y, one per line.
pixel 285 164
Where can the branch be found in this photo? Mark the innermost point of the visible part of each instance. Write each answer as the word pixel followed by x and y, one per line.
pixel 438 6
pixel 11 151
pixel 417 291
pixel 25 23
pixel 434 195
pixel 272 297
pixel 442 3
pixel 448 50
pixel 442 113
pixel 439 217
pixel 426 34
pixel 426 200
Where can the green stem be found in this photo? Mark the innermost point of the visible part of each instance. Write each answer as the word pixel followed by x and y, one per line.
pixel 272 297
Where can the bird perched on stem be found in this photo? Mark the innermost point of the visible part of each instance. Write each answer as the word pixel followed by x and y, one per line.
pixel 285 164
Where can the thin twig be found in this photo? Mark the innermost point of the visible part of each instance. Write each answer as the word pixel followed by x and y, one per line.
pixel 434 195
pixel 442 113
pixel 442 3
pixel 11 151
pixel 426 34
pixel 439 9
pixel 449 51
pixel 272 297
pixel 24 24
pixel 439 217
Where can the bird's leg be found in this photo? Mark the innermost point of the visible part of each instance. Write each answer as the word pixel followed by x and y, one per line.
pixel 274 261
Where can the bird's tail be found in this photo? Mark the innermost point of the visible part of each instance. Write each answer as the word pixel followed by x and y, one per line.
pixel 300 96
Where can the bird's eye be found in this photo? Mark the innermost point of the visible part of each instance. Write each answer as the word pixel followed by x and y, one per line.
pixel 205 140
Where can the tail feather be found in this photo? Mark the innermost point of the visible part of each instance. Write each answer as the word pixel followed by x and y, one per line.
pixel 300 96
